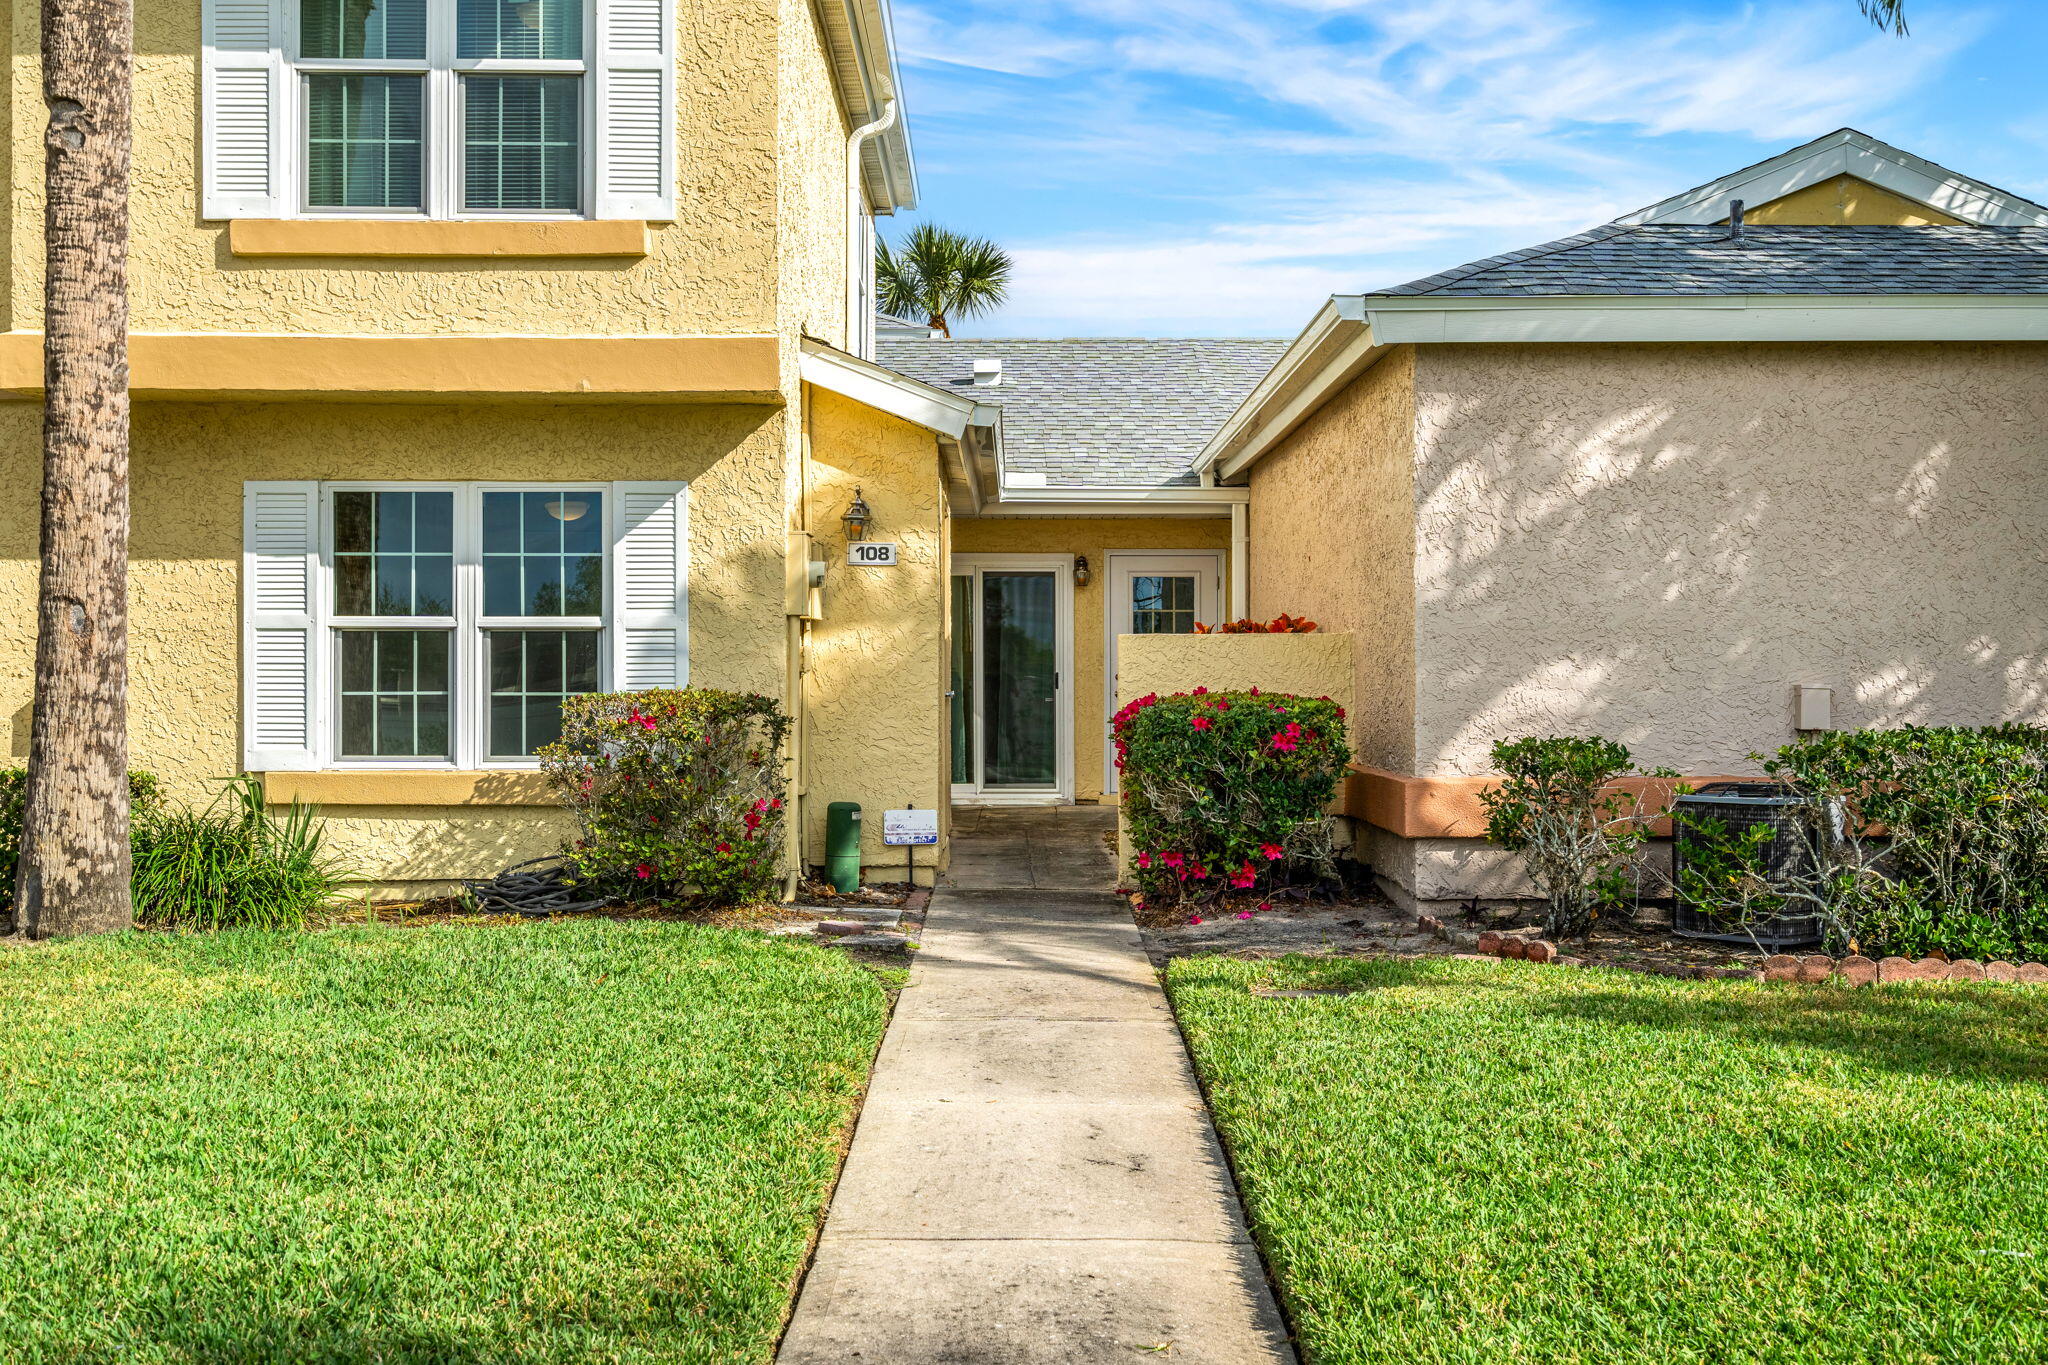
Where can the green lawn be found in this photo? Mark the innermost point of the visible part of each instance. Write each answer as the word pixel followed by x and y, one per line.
pixel 1478 1161
pixel 564 1142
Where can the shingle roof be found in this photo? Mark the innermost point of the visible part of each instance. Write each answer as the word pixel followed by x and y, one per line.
pixel 1097 411
pixel 1668 259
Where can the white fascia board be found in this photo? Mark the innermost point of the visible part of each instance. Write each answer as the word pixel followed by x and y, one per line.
pixel 1084 506
pixel 884 390
pixel 1771 317
pixel 1122 496
pixel 1847 152
pixel 1306 355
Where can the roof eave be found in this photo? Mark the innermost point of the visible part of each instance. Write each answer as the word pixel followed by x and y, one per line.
pixel 861 44
pixel 1337 345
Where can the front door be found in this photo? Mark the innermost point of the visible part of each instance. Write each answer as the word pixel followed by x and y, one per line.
pixel 1153 594
pixel 1011 669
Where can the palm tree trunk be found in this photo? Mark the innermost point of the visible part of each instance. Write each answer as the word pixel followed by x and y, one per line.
pixel 73 876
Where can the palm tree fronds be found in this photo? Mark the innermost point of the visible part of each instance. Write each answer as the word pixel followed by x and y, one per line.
pixel 1889 15
pixel 939 274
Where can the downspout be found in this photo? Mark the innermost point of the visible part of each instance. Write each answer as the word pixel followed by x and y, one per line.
pixel 1240 555
pixel 856 238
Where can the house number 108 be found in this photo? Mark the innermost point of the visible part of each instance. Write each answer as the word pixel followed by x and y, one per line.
pixel 870 554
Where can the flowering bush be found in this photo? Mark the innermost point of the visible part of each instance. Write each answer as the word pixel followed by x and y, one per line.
pixel 674 790
pixel 1283 624
pixel 1225 791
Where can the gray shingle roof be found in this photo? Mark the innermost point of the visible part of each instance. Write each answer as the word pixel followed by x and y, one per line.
pixel 1667 258
pixel 1097 411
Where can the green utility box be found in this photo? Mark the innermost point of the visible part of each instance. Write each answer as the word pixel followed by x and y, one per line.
pixel 842 846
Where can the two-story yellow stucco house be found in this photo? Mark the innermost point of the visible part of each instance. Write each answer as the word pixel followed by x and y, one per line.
pixel 488 351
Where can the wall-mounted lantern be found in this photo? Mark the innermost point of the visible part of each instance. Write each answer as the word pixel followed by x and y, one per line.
pixel 1081 573
pixel 857 518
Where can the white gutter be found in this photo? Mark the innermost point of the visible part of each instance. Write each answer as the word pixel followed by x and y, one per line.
pixel 859 252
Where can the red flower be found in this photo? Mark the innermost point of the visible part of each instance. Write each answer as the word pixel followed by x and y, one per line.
pixel 752 820
pixel 643 871
pixel 776 804
pixel 1270 851
pixel 1243 877
pixel 1284 744
pixel 1202 722
pixel 1201 691
pixel 724 848
pixel 1145 862
pixel 1172 859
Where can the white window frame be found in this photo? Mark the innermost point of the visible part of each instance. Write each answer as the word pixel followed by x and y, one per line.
pixel 469 699
pixel 441 118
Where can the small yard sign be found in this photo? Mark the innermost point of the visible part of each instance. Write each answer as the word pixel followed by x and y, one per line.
pixel 870 554
pixel 910 826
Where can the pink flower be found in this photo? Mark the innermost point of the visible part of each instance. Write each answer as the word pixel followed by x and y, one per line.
pixel 1265 905
pixel 643 871
pixel 1198 872
pixel 1194 919
pixel 1244 914
pixel 1172 859
pixel 1270 851
pixel 1201 722
pixel 1284 744
pixel 1243 877
pixel 1201 692
pixel 1144 862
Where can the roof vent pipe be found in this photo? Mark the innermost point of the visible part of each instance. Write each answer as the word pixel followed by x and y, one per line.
pixel 987 371
pixel 1734 220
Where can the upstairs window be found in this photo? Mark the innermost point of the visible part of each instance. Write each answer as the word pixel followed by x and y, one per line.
pixel 439 108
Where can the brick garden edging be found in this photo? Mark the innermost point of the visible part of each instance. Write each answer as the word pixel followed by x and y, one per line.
pixel 1814 969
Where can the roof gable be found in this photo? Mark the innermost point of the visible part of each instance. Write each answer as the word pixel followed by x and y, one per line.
pixel 1847 152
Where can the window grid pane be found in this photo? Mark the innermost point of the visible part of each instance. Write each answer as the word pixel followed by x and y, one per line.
pixel 548 29
pixel 394 554
pixel 363 143
pixel 543 553
pixel 394 693
pixel 373 29
pixel 532 672
pixel 521 142
pixel 1162 604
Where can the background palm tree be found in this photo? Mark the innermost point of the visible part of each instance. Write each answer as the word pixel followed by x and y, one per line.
pixel 938 274
pixel 1886 14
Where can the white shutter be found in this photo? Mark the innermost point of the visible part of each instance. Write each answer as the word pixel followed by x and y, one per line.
pixel 280 647
pixel 242 109
pixel 650 585
pixel 636 109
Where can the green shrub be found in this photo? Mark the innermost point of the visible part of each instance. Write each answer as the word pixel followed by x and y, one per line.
pixel 1226 791
pixel 1558 806
pixel 232 865
pixel 674 791
pixel 1929 839
pixel 143 801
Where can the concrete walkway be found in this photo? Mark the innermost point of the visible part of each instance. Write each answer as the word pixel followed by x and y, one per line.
pixel 1034 1177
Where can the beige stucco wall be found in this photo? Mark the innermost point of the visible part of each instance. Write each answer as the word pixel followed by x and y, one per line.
pixel 1095 537
pixel 1846 200
pixel 875 671
pixel 1332 539
pixel 1655 543
pixel 811 183
pixel 714 270
pixel 189 463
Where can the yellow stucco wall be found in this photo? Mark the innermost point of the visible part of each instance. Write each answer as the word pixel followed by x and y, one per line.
pixel 1333 539
pixel 189 463
pixel 1846 201
pixel 811 183
pixel 1094 537
pixel 875 665
pixel 714 270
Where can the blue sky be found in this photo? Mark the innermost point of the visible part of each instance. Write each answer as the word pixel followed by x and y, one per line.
pixel 1218 167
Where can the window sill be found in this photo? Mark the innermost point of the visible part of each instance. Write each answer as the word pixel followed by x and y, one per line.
pixel 410 787
pixel 427 238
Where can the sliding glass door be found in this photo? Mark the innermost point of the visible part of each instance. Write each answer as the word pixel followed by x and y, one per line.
pixel 1010 724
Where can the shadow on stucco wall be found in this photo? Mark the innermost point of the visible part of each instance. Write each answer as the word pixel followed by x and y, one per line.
pixel 1656 543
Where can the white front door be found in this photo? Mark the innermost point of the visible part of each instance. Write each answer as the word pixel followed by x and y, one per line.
pixel 1012 678
pixel 1153 593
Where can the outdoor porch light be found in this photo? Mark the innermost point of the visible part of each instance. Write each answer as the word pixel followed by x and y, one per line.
pixel 1081 574
pixel 857 518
